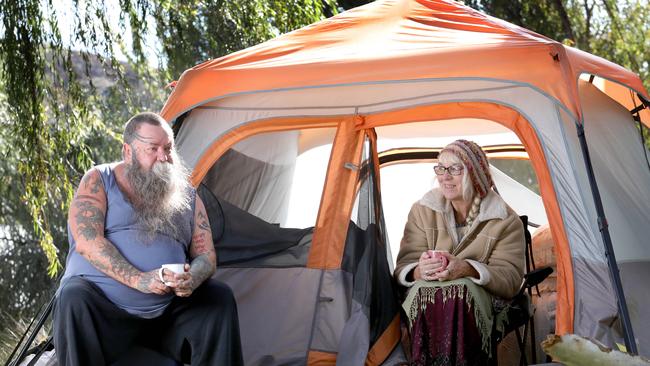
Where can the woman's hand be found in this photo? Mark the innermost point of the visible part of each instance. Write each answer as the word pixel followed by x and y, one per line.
pixel 457 268
pixel 429 266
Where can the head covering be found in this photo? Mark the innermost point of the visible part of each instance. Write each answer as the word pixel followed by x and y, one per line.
pixel 475 162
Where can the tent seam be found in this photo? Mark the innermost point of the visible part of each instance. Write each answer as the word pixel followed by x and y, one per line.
pixel 359 105
pixel 377 82
pixel 356 112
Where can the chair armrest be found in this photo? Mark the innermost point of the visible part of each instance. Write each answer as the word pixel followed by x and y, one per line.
pixel 534 278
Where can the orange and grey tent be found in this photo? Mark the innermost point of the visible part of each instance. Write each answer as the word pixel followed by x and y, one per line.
pixel 323 295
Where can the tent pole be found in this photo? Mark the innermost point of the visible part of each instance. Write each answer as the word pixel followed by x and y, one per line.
pixel 628 333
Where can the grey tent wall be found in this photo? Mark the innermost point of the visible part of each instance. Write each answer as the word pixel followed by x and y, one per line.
pixel 628 332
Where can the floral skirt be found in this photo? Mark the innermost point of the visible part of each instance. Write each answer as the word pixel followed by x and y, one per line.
pixel 450 323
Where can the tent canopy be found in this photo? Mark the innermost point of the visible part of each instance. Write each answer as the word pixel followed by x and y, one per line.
pixel 397 40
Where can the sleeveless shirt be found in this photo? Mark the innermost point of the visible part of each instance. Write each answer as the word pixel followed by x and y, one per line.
pixel 144 252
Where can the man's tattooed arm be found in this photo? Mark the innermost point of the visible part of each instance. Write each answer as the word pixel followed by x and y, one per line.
pixel 92 182
pixel 86 219
pixel 202 253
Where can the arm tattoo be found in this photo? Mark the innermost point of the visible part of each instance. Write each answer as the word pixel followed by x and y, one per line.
pixel 203 223
pixel 110 261
pixel 202 251
pixel 93 183
pixel 89 218
pixel 201 268
pixel 200 242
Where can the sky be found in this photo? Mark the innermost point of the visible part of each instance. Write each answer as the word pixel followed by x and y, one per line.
pixel 66 17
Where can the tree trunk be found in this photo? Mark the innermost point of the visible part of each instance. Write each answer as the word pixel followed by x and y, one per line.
pixel 566 23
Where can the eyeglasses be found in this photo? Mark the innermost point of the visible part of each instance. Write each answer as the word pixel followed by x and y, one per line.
pixel 456 169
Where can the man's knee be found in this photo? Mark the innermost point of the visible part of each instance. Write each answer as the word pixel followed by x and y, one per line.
pixel 218 294
pixel 75 292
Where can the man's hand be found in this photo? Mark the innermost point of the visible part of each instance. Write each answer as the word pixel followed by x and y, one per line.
pixel 181 283
pixel 150 283
pixel 202 254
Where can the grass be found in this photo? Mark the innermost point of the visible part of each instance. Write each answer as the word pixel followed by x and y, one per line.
pixel 13 331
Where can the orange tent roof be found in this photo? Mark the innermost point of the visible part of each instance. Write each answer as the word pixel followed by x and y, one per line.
pixel 398 40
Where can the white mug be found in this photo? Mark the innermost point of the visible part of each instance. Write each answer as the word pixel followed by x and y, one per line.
pixel 174 267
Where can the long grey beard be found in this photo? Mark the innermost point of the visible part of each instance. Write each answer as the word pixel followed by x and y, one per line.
pixel 159 194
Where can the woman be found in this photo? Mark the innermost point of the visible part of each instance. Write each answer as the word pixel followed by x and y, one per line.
pixel 479 257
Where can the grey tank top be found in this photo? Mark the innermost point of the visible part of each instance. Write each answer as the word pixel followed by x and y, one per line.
pixel 145 254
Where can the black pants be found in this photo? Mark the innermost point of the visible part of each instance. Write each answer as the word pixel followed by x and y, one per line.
pixel 202 329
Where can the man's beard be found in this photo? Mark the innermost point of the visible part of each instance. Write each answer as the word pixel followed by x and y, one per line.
pixel 159 194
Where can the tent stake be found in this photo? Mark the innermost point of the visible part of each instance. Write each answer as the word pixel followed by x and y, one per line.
pixel 628 333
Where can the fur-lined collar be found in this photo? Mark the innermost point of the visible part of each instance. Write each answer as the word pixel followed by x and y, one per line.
pixel 492 206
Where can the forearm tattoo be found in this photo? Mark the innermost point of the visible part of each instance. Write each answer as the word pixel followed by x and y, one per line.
pixel 110 261
pixel 201 269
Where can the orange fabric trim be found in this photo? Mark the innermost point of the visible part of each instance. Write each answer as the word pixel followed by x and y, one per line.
pixel 331 227
pixel 319 358
pixel 520 126
pixel 385 344
pixel 220 146
pixel 565 285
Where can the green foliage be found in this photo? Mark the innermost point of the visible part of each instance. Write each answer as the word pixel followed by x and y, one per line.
pixel 540 16
pixel 195 31
pixel 617 30
pixel 624 36
pixel 36 141
pixel 349 4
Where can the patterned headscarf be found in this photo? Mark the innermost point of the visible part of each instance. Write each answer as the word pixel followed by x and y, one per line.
pixel 476 163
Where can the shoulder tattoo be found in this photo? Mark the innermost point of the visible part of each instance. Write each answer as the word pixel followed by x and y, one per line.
pixel 88 218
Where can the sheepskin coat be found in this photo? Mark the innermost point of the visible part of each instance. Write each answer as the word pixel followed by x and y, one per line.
pixel 495 239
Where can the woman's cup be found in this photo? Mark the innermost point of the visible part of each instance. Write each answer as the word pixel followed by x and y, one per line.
pixel 438 254
pixel 174 267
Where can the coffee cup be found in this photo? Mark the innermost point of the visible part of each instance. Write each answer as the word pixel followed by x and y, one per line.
pixel 174 267
pixel 438 254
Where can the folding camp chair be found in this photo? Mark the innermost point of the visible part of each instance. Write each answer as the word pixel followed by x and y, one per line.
pixel 519 310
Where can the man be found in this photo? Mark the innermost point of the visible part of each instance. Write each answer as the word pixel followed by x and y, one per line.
pixel 126 220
